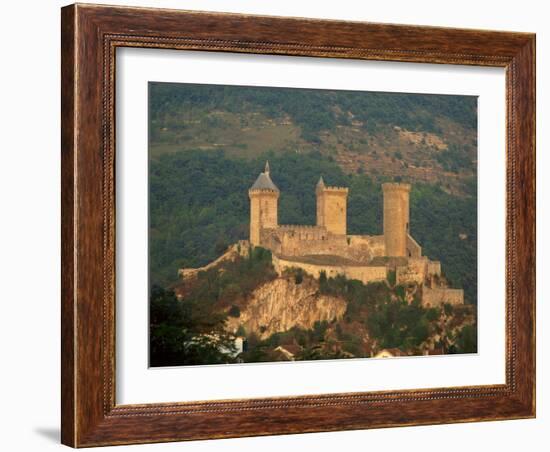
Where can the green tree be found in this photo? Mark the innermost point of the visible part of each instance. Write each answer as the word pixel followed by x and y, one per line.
pixel 467 340
pixel 182 335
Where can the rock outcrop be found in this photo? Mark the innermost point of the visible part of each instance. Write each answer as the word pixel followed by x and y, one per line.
pixel 281 304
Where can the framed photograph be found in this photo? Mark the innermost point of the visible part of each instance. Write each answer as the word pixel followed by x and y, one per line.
pixel 281 225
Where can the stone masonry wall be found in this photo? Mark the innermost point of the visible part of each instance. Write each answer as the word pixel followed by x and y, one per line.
pixel 414 272
pixel 237 249
pixel 438 296
pixel 360 246
pixel 365 274
pixel 314 240
pixel 413 248
pixel 434 268
pixel 417 270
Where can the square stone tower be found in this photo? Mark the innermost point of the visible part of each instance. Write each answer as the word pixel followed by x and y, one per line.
pixel 264 197
pixel 396 218
pixel 332 208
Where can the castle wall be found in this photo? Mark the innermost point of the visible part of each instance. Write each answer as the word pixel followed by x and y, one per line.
pixel 360 246
pixel 240 248
pixel 434 268
pixel 298 240
pixel 413 248
pixel 314 240
pixel 417 270
pixel 438 296
pixel 365 274
pixel 414 272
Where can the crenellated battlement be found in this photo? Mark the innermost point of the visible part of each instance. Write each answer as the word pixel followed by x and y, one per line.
pixel 261 191
pixel 336 189
pixel 396 186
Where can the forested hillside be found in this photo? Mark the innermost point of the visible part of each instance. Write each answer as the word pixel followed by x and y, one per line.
pixel 316 110
pixel 426 138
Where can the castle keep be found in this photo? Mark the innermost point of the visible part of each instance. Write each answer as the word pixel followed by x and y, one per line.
pixel 327 247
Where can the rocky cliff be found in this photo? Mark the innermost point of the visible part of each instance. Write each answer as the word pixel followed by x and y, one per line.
pixel 281 304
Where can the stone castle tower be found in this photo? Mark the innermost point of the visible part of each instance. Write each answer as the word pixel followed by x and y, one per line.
pixel 396 218
pixel 332 208
pixel 264 197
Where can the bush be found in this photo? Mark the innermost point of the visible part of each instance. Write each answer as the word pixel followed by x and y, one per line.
pixel 391 278
pixel 234 311
pixel 400 292
pixel 448 309
pixel 467 340
pixel 323 286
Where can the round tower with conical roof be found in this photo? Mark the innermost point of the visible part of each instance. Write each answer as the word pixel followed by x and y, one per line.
pixel 264 197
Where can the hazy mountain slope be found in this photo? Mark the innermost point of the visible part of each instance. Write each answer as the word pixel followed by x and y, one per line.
pixel 424 138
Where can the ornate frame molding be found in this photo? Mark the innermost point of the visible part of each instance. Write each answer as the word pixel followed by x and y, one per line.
pixel 90 37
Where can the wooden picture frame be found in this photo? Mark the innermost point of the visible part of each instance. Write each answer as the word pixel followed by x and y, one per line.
pixel 90 36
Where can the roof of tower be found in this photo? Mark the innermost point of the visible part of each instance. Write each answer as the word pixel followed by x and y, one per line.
pixel 321 182
pixel 264 182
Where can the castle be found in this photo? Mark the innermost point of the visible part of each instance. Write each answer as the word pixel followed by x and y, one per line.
pixel 327 247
